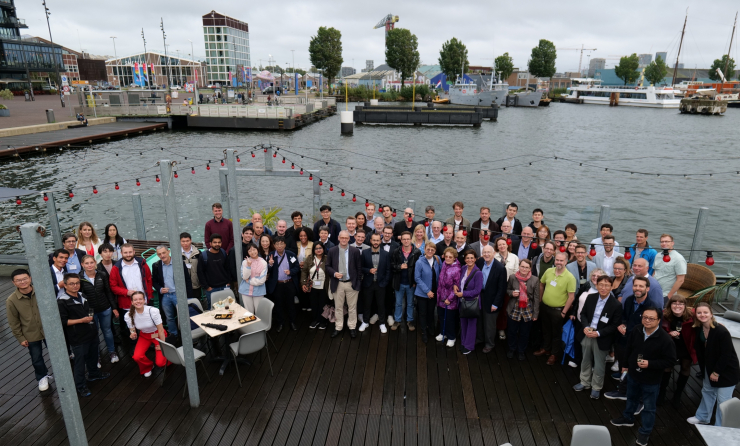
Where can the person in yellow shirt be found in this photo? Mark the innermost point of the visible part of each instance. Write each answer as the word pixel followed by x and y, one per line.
pixel 557 288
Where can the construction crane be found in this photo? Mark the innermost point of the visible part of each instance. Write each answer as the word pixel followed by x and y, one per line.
pixel 389 22
pixel 581 49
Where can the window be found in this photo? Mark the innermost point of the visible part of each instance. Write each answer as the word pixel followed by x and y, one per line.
pixel 211 38
pixel 218 38
pixel 210 30
pixel 218 30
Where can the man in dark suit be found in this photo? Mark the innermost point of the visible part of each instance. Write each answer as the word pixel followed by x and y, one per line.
pixel 523 247
pixel 285 274
pixel 491 296
pixel 344 266
pixel 376 269
pixel 406 225
pixel 601 316
pixel 58 268
pixel 389 245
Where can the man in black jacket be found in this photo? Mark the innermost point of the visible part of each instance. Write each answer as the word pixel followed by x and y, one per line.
pixel 390 246
pixel 523 247
pixel 163 280
pixel 285 275
pixel 80 332
pixel 69 243
pixel 516 225
pixel 406 225
pixel 484 222
pixel 650 350
pixel 491 297
pixel 326 220
pixel 344 267
pixel 448 232
pixel 213 273
pixel 376 270
pixel 403 261
pixel 601 316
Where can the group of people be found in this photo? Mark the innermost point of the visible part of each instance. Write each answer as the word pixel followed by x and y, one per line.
pixel 484 281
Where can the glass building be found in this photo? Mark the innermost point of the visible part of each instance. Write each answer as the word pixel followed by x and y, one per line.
pixel 227 49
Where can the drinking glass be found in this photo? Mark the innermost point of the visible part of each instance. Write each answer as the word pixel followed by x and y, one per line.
pixel 91 313
pixel 639 360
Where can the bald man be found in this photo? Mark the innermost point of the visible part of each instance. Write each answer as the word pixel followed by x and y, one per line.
pixel 640 268
pixel 257 218
pixel 405 225
pixel 491 296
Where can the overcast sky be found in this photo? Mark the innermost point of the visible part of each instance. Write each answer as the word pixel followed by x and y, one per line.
pixel 487 28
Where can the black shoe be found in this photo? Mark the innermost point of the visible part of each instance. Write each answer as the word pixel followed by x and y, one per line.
pixel 642 439
pixel 510 354
pixel 465 351
pixel 353 333
pixel 102 375
pixel 522 357
pixel 313 325
pixel 424 338
pixel 622 421
pixel 293 326
pixel 279 328
pixel 334 333
pixel 84 392
pixel 322 326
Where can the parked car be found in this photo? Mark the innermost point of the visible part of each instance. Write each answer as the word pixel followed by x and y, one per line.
pixel 270 90
pixel 175 87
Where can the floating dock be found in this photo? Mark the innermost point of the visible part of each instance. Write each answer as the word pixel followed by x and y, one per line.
pixel 423 115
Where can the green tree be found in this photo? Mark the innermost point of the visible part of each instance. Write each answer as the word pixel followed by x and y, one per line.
pixel 452 57
pixel 401 52
pixel 720 63
pixel 627 68
pixel 656 71
pixel 325 51
pixel 542 60
pixel 505 64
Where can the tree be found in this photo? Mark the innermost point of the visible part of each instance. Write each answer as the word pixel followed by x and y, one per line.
pixel 401 52
pixel 542 60
pixel 720 63
pixel 627 68
pixel 325 51
pixel 452 57
pixel 505 64
pixel 656 71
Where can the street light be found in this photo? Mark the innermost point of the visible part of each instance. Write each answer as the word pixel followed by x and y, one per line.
pixel 295 78
pixel 192 65
pixel 115 55
pixel 53 53
pixel 166 57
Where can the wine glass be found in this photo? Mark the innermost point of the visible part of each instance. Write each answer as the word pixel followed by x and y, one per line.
pixel 639 360
pixel 91 313
pixel 678 328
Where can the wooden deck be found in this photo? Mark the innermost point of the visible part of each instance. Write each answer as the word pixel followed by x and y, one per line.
pixel 377 389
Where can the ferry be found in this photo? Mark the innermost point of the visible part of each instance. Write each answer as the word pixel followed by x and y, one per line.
pixel 651 97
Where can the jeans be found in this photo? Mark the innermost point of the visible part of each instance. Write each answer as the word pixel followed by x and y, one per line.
pixel 407 290
pixel 213 290
pixel 104 323
pixel 649 395
pixel 709 395
pixel 517 334
pixel 85 355
pixel 37 358
pixel 169 305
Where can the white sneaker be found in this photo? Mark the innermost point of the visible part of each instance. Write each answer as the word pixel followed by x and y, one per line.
pixel 148 374
pixel 44 384
pixel 440 338
pixel 572 364
pixel 694 420
pixel 374 319
pixel 99 366
pixel 610 358
pixel 383 329
pixel 391 321
pixel 615 367
pixel 450 342
pixel 113 358
pixel 295 300
pixel 363 327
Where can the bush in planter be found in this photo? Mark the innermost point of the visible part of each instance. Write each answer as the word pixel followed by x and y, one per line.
pixel 4 110
pixel 6 94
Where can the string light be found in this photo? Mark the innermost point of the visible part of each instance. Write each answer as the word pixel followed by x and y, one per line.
pixel 367 203
pixel 534 244
pixel 192 170
pixel 208 167
pixel 627 254
pixel 310 176
pixel 156 178
pixel 354 197
pixel 301 170
pixel 508 240
pixel 138 183
pixel 321 183
pixel 18 200
pixel 116 187
pixel 71 195
pixel 331 187
pixel 592 252
pixel 46 197
pixel 238 160
pixel 253 155
pixel 175 175
pixel 342 192
pixel 95 190
pixel 710 259
pixel 274 154
pixel 283 160
pixel 292 166
pixel 666 256
pixel 265 149
pixel 394 213
pixel 222 163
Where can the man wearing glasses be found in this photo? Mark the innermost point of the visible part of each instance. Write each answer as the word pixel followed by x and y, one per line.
pixel 650 351
pixel 81 333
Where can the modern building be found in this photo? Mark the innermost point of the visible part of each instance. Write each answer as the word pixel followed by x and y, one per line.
pixel 596 64
pixel 369 65
pixel 78 65
pixel 663 55
pixel 645 59
pixel 227 49
pixel 348 71
pixel 129 71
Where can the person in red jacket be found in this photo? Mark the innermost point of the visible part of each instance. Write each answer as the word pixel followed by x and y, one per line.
pixel 128 275
pixel 677 321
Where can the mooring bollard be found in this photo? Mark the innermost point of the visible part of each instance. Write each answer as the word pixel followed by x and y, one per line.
pixel 347 122
pixel 373 102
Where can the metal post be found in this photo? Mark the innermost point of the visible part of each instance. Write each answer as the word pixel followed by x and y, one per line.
pixel 224 194
pixel 56 232
pixel 234 206
pixel 701 224
pixel 268 160
pixel 411 204
pixel 178 270
pixel 138 217
pixel 316 193
pixel 33 240
pixel 603 218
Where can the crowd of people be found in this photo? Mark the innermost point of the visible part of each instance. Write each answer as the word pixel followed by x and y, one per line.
pixel 484 281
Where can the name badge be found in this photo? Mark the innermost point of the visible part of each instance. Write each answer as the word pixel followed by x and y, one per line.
pixel 604 319
pixel 292 260
pixel 71 267
pixel 318 283
pixel 583 281
pixel 188 265
pixel 554 283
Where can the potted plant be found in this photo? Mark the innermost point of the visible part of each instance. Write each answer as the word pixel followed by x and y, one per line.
pixel 4 111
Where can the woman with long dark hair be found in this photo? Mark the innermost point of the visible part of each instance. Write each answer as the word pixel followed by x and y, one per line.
pixel 303 249
pixel 362 223
pixel 254 275
pixel 678 319
pixel 114 239
pixel 315 283
pixel 470 286
pixel 148 322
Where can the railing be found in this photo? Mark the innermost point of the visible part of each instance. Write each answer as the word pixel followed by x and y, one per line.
pixel 244 111
pixel 12 21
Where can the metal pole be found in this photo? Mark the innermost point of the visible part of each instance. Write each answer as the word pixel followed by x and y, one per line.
pixel 234 207
pixel 603 218
pixel 316 193
pixel 268 160
pixel 53 55
pixel 56 232
pixel 138 217
pixel 178 271
pixel 33 240
pixel 411 204
pixel 224 194
pixel 701 224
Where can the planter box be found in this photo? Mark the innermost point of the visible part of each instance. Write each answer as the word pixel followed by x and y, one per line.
pixel 4 113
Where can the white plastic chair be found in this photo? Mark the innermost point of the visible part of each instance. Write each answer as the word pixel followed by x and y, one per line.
pixel 590 435
pixel 264 313
pixel 195 333
pixel 730 411
pixel 249 343
pixel 175 355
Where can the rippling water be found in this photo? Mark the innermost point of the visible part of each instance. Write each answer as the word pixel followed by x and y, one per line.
pixel 656 141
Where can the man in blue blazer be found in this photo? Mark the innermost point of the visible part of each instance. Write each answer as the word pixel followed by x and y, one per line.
pixel 284 277
pixel 492 297
pixel 376 270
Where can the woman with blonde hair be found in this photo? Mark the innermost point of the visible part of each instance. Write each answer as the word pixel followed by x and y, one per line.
pixel 88 241
pixel 420 237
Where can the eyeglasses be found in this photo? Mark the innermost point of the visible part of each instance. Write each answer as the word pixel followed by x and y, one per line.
pixel 73 284
pixel 650 319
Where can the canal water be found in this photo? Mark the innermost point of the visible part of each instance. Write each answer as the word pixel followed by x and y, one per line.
pixel 604 139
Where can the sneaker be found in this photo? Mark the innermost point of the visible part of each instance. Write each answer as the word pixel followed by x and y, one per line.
pixel 450 342
pixel 148 374
pixel 295 300
pixel 308 309
pixel 579 387
pixel 411 325
pixel 595 394
pixel 522 357
pixel 71 356
pixel 360 318
pixel 642 439
pixel 609 358
pixel 440 338
pixel 395 326
pixel 383 329
pixel 313 325
pixel 615 366
pixel 99 366
pixel 572 364
pixel 617 376
pixel 84 392
pixel 501 334
pixel 622 421
pixel 391 321
pixel 639 409
pixel 113 358
pixel 465 351
pixel 102 375
pixel 694 420
pixel 363 327
pixel 322 326
pixel 43 384
pixel 615 395
pixel 374 319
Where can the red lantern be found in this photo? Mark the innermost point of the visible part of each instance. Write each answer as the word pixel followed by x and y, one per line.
pixel 321 183
pixel 534 245
pixel 117 186
pixel 426 223
pixel 175 175
pixel 46 197
pixel 238 160
pixel 274 154
pixel 156 178
pixel 444 228
pixel 666 258
pixel 465 232
pixel 486 237
pixel 331 187
pixel 310 176
pixel 71 195
pixel 710 259
pixel 95 190
pixel 253 155
pixel 627 255
pixel 394 213
pixel 592 252
pixel 192 170
pixel 18 200
pixel 562 248
pixel 367 203
pixel 409 219
pixel 138 183
pixel 508 241
pixel 354 198
pixel 301 170
pixel 222 163
pixel 208 167
pixel 342 192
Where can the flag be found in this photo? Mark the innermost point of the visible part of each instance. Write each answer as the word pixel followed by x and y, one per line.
pixel 196 75
pixel 439 84
pixel 136 67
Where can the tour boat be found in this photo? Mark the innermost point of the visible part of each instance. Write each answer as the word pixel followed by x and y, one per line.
pixel 652 97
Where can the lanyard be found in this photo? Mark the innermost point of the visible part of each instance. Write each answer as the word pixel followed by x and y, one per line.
pixel 316 265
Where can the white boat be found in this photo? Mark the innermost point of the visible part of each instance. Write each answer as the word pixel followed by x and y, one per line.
pixel 651 97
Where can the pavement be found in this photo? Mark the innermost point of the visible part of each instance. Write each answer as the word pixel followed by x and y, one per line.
pixel 24 113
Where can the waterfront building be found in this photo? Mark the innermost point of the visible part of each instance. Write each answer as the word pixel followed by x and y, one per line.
pixel 645 59
pixel 227 49
pixel 596 63
pixel 347 71
pixel 122 71
pixel 663 55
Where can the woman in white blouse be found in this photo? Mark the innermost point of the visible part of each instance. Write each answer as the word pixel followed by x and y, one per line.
pixel 148 321
pixel 511 262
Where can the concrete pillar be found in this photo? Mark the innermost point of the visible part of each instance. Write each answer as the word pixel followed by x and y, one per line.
pixel 139 216
pixel 603 218
pixel 51 209
pixel 347 122
pixel 234 206
pixel 373 102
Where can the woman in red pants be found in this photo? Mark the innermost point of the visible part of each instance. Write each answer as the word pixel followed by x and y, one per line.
pixel 148 321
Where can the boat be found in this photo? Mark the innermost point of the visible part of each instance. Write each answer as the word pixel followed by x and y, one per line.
pixel 649 97
pixel 439 100
pixel 679 90
pixel 526 98
pixel 464 93
pixel 705 101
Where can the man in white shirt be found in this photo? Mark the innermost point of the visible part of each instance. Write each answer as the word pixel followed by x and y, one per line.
pixel 671 274
pixel 378 225
pixel 605 259
pixel 437 235
pixel 59 269
pixel 606 229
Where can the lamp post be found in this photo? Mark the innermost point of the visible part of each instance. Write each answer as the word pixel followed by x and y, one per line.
pixel 192 65
pixel 166 57
pixel 148 82
pixel 295 77
pixel 53 53
pixel 115 55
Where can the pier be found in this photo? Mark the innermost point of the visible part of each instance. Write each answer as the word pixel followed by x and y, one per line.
pixel 423 115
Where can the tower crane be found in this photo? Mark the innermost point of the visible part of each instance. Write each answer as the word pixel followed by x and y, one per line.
pixel 581 49
pixel 389 22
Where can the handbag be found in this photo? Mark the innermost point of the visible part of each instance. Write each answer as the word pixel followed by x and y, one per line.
pixel 469 308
